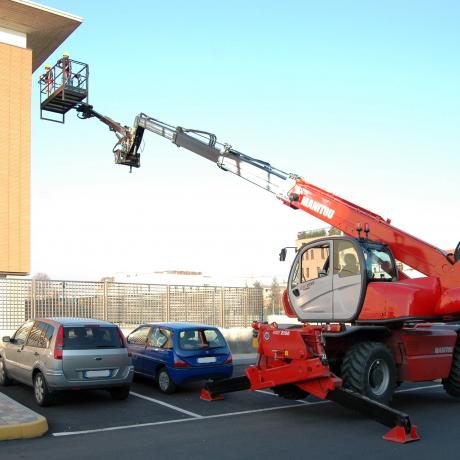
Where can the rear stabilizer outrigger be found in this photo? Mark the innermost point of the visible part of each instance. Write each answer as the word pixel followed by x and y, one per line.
pixel 293 363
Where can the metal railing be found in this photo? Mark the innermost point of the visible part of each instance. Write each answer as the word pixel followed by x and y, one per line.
pixel 70 73
pixel 128 304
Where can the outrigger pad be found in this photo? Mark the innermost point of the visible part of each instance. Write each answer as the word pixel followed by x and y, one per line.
pixel 398 434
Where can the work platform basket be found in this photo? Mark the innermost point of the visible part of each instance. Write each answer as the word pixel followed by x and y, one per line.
pixel 63 87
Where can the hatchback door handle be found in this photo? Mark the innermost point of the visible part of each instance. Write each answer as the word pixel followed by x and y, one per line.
pixel 98 358
pixel 36 353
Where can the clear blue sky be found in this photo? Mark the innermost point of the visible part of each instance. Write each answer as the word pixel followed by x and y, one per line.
pixel 359 97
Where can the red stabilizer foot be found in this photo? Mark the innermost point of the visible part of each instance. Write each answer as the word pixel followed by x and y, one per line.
pixel 206 396
pixel 398 434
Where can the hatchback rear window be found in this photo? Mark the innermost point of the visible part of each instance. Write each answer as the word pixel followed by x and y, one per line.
pixel 89 337
pixel 197 339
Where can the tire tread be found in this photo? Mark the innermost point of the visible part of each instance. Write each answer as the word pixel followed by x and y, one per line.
pixel 354 366
pixel 452 382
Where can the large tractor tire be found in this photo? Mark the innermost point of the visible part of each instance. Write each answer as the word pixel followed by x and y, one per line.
pixel 452 383
pixel 369 369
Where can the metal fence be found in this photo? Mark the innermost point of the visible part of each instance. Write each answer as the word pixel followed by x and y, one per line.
pixel 128 304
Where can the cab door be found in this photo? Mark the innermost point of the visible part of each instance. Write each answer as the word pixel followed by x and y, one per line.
pixel 349 279
pixel 310 287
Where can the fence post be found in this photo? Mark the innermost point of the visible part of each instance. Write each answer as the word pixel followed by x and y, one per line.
pixel 33 310
pixel 168 303
pixel 105 302
pixel 222 307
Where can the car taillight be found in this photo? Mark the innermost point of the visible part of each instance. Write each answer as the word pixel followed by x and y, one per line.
pixel 123 340
pixel 229 360
pixel 59 344
pixel 179 363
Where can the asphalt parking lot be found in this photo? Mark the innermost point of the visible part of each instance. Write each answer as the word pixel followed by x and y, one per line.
pixel 243 425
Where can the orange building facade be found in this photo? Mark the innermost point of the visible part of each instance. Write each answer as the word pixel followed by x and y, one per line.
pixel 29 33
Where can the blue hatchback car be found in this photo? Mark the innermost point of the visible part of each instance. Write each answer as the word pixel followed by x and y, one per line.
pixel 175 353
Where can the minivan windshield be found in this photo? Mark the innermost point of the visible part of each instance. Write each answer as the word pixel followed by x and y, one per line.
pixel 197 339
pixel 91 336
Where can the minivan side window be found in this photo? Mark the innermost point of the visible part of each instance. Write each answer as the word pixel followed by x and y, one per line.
pixel 139 336
pixel 21 334
pixel 49 334
pixel 38 335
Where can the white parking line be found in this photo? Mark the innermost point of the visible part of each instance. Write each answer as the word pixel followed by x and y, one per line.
pixel 204 417
pixel 157 401
pixel 270 393
pixel 418 388
pixel 195 417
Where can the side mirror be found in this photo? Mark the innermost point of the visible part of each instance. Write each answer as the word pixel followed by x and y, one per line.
pixel 283 254
pixel 322 273
pixel 6 339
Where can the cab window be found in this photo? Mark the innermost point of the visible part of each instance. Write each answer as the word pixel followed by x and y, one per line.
pixel 312 264
pixel 346 260
pixel 379 264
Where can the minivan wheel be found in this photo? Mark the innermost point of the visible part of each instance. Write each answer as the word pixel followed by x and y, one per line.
pixel 165 382
pixel 42 394
pixel 4 379
pixel 120 393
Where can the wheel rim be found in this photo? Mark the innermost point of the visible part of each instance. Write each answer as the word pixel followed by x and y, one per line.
pixel 163 380
pixel 39 388
pixel 378 377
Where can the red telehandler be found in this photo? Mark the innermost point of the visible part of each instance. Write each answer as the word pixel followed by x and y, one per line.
pixel 367 327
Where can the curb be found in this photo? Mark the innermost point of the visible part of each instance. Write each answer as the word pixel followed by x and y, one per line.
pixel 24 430
pixel 18 421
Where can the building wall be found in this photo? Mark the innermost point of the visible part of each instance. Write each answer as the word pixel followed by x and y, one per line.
pixel 15 106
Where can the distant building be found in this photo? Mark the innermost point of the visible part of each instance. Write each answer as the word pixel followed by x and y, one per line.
pixel 314 261
pixel 192 278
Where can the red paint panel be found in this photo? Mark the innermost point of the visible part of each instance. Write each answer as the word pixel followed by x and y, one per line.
pixel 424 352
pixel 408 298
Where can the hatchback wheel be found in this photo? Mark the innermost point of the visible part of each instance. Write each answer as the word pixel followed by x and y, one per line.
pixel 119 394
pixel 4 379
pixel 165 382
pixel 42 394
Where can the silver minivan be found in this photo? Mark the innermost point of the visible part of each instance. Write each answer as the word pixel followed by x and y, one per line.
pixel 54 354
